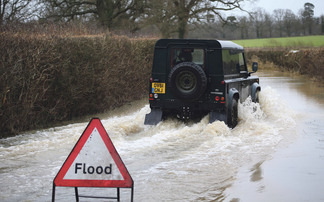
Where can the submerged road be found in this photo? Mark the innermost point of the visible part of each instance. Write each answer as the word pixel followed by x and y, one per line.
pixel 295 172
pixel 276 153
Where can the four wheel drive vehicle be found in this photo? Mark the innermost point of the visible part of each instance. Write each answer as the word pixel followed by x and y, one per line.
pixel 191 78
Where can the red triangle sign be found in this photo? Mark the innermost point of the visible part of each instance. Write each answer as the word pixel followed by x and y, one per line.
pixel 94 162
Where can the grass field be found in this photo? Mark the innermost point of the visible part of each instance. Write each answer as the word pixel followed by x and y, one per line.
pixel 303 41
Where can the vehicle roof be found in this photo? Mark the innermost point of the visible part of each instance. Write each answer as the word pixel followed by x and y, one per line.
pixel 212 43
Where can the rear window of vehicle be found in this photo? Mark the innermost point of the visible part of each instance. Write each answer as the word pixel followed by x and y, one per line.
pixel 195 55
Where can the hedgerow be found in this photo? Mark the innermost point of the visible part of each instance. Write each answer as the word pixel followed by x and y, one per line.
pixel 45 80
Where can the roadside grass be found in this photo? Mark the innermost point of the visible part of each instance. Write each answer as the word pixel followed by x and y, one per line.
pixel 302 41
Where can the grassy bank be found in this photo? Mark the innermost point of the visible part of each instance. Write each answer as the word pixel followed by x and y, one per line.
pixel 45 80
pixel 292 42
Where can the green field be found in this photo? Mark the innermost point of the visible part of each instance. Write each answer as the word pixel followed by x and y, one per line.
pixel 303 41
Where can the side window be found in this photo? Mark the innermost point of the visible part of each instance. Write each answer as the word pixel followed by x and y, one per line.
pixel 241 62
pixel 194 55
pixel 233 61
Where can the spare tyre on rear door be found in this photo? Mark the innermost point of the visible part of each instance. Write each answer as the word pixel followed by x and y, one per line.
pixel 187 81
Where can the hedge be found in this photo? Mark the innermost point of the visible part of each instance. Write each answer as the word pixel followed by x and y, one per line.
pixel 45 80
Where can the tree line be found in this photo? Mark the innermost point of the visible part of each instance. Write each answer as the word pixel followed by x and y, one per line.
pixel 261 24
pixel 168 18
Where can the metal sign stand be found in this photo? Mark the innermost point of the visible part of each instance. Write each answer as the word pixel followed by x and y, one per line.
pixel 77 196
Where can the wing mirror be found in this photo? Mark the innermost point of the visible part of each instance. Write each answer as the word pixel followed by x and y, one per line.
pixel 254 67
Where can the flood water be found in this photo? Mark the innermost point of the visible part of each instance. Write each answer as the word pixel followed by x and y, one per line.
pixel 276 153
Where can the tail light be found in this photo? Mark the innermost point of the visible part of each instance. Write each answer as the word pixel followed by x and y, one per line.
pixel 151 97
pixel 221 99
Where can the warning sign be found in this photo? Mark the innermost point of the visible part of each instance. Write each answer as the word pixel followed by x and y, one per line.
pixel 94 162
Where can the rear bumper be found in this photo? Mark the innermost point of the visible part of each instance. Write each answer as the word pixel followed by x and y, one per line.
pixel 187 109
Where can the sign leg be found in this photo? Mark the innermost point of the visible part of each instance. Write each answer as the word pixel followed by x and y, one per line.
pixel 76 194
pixel 53 192
pixel 132 194
pixel 118 194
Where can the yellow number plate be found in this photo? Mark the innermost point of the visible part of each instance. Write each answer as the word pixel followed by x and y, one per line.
pixel 158 88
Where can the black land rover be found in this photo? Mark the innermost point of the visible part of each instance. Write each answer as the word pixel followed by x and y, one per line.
pixel 191 78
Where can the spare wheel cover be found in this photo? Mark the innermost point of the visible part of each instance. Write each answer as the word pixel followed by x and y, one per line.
pixel 187 81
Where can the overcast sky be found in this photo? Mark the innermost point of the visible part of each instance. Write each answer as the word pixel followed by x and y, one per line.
pixel 294 5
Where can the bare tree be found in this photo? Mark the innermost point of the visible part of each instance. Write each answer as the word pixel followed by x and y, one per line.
pixel 278 15
pixel 322 24
pixel 269 24
pixel 14 10
pixel 182 12
pixel 161 15
pixel 196 10
pixel 289 20
pixel 258 19
pixel 105 11
pixel 308 16
pixel 230 25
pixel 244 25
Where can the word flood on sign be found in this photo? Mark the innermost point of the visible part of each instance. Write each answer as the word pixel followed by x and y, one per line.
pixel 91 169
pixel 93 162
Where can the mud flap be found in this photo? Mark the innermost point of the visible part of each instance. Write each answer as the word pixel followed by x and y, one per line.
pixel 154 117
pixel 217 116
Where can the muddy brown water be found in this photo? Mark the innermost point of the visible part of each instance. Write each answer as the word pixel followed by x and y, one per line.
pixel 276 153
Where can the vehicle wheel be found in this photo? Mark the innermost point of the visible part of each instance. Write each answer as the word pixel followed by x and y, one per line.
pixel 187 81
pixel 232 116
